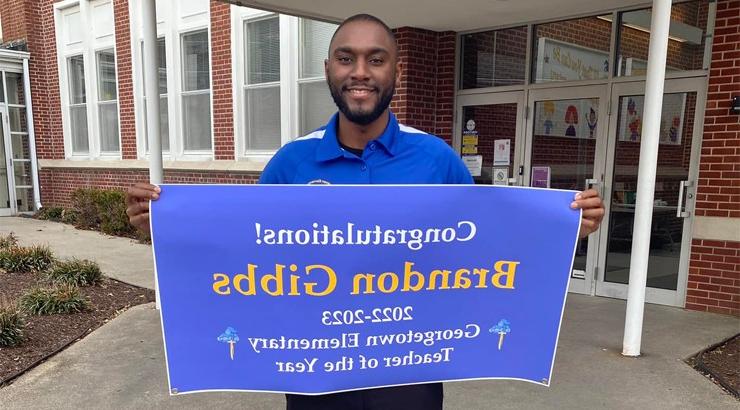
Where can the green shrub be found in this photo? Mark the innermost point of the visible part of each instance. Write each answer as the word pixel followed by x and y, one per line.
pixel 8 241
pixel 49 301
pixel 75 272
pixel 103 210
pixel 26 259
pixel 50 213
pixel 70 216
pixel 12 326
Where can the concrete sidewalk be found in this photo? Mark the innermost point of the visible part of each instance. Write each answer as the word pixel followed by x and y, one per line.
pixel 121 365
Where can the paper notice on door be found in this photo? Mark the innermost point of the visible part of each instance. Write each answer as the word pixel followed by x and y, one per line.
pixel 500 175
pixel 474 164
pixel 501 152
pixel 541 177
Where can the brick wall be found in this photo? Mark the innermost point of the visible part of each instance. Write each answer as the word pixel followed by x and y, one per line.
pixel 714 268
pixel 223 114
pixel 59 183
pixel 32 23
pixel 126 114
pixel 425 98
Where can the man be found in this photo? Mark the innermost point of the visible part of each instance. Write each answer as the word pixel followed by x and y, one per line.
pixel 364 144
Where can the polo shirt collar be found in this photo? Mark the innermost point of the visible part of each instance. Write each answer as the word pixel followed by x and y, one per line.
pixel 329 147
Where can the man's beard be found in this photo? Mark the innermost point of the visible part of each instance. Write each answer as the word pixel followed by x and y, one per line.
pixel 361 117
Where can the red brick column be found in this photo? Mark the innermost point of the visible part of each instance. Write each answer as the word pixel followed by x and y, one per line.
pixel 126 113
pixel 425 97
pixel 714 269
pixel 223 108
pixel 34 22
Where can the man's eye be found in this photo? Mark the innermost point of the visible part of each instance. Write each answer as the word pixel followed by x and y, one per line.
pixel 376 61
pixel 344 59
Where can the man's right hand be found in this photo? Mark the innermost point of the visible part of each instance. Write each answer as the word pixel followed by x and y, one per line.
pixel 137 204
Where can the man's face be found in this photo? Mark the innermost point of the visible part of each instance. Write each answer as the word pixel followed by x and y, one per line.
pixel 362 71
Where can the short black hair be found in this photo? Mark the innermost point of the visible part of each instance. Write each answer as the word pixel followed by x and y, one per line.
pixel 370 18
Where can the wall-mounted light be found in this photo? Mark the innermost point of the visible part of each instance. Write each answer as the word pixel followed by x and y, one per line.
pixel 735 107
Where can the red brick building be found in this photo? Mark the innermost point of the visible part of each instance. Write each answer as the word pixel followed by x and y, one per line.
pixel 553 103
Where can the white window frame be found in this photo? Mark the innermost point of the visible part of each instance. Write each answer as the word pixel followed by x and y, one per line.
pixel 171 26
pixel 100 103
pixel 243 81
pixel 290 59
pixel 88 47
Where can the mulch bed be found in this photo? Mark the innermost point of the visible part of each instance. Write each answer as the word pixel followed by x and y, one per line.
pixel 721 363
pixel 47 335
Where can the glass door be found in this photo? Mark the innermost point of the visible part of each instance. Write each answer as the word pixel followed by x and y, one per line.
pixel 675 188
pixel 564 139
pixel 487 131
pixel 6 200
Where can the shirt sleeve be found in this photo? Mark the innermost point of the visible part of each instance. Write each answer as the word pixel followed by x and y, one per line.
pixel 458 173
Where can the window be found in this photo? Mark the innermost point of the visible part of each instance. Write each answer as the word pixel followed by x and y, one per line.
pixel 283 93
pixel 316 105
pixel 164 129
pixel 494 58
pixel 77 104
pixel 262 86
pixel 572 50
pixel 686 39
pixel 196 92
pixel 107 101
pixel 87 78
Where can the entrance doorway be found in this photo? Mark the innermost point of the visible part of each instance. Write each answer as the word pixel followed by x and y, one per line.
pixel 583 137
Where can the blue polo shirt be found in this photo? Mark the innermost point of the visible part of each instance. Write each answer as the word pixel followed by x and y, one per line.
pixel 401 155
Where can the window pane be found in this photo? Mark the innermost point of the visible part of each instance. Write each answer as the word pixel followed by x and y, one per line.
pixel 685 42
pixel 572 50
pixel 22 172
pixel 14 82
pixel 197 121
pixel 107 89
pixel 263 118
pixel 17 119
pixel 76 70
pixel 263 51
pixel 24 199
pixel 164 126
pixel 109 127
pixel 316 36
pixel 196 75
pixel 21 147
pixel 78 126
pixel 316 106
pixel 494 58
pixel 162 65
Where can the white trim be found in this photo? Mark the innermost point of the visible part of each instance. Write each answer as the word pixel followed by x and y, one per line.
pixel 318 134
pixel 410 130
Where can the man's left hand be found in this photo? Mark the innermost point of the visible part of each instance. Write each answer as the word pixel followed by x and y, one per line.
pixel 593 211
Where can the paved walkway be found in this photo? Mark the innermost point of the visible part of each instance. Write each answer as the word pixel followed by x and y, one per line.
pixel 121 365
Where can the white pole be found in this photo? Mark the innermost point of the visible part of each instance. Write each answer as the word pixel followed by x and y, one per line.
pixel 31 135
pixel 659 25
pixel 151 87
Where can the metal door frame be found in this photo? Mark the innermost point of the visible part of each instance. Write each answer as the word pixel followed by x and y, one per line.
pixel 586 284
pixel 655 295
pixel 507 97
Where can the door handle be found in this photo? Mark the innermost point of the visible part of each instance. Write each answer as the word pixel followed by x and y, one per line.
pixel 679 213
pixel 593 182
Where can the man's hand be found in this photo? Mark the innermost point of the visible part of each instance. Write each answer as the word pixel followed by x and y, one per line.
pixel 137 204
pixel 593 211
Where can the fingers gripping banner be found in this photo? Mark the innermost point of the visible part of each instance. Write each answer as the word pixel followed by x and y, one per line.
pixel 318 289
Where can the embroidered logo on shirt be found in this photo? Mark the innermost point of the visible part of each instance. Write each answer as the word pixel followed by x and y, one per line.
pixel 319 182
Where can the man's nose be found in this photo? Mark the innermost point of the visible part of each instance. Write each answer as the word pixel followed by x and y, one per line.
pixel 360 71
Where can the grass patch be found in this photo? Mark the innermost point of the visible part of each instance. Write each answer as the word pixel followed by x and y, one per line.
pixel 26 259
pixel 77 272
pixel 49 301
pixel 12 325
pixel 8 241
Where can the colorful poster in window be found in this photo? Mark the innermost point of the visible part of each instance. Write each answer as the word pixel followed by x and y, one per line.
pixel 567 118
pixel 561 61
pixel 671 119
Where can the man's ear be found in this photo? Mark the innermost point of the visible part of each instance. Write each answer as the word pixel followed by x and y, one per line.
pixel 326 68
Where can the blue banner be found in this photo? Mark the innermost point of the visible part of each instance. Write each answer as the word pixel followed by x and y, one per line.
pixel 317 289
